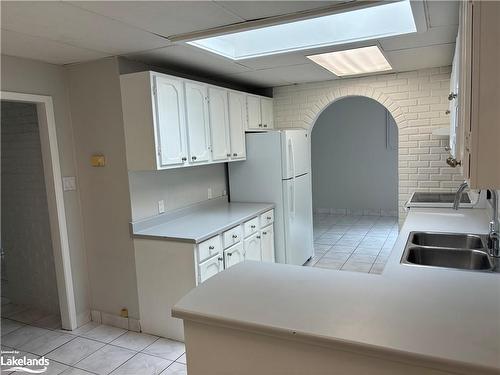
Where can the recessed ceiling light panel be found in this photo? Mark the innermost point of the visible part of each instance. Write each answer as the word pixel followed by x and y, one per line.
pixel 374 22
pixel 353 61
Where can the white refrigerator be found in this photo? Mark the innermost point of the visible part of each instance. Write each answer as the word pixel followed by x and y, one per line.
pixel 278 170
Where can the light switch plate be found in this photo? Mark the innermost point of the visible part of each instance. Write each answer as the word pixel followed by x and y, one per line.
pixel 161 206
pixel 210 194
pixel 69 183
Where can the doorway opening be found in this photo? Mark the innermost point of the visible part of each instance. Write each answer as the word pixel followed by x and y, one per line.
pixel 28 269
pixel 354 163
pixel 37 284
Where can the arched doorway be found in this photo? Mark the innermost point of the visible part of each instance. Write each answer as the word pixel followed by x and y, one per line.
pixel 354 162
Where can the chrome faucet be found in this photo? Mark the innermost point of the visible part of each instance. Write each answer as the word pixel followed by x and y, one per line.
pixel 494 236
pixel 494 231
pixel 458 195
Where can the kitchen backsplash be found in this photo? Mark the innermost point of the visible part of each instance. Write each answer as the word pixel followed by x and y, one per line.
pixel 176 187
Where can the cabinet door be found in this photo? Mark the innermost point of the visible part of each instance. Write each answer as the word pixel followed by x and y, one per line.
pixel 170 121
pixel 219 123
pixel 210 268
pixel 197 122
pixel 267 113
pixel 254 115
pixel 237 124
pixel 267 243
pixel 252 247
pixel 234 255
pixel 454 103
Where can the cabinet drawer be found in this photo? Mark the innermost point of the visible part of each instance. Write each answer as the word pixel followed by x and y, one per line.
pixel 209 248
pixel 231 236
pixel 210 267
pixel 267 218
pixel 251 226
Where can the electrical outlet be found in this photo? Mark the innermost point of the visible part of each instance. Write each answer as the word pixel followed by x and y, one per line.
pixel 210 193
pixel 161 206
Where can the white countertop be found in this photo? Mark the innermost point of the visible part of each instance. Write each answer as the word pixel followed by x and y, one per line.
pixel 448 317
pixel 199 222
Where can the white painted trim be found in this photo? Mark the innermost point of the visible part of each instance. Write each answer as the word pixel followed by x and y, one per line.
pixel 55 201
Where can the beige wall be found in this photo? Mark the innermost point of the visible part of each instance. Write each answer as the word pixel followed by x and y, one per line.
pixel 417 100
pixel 97 119
pixel 32 77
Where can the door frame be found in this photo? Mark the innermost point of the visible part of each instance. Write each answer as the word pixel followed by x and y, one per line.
pixel 55 201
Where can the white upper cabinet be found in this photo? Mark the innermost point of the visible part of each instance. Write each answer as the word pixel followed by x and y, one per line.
pixel 453 104
pixel 260 113
pixel 219 123
pixel 266 106
pixel 170 121
pixel 237 124
pixel 475 130
pixel 197 122
pixel 254 113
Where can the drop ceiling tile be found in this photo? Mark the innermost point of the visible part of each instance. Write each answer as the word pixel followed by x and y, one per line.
pixel 302 73
pixel 164 17
pixel 263 78
pixel 435 35
pixel 443 13
pixel 420 58
pixel 72 25
pixel 274 61
pixel 189 57
pixel 286 75
pixel 250 10
pixel 30 47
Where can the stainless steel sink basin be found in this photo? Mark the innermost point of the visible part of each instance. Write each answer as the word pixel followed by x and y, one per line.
pixel 458 241
pixel 427 197
pixel 449 250
pixel 463 259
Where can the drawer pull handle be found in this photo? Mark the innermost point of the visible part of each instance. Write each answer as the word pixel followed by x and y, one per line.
pixel 235 236
pixel 228 155
pixel 193 157
pixel 252 226
pixel 211 247
pixel 258 237
pixel 264 233
pixel 269 218
pixel 184 159
pixel 235 154
pixel 220 259
pixel 229 254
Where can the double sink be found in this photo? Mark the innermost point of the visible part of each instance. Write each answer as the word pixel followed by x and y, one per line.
pixel 449 250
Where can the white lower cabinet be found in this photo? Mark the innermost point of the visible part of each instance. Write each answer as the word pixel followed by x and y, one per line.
pixel 210 267
pixel 252 247
pixel 267 243
pixel 168 269
pixel 234 255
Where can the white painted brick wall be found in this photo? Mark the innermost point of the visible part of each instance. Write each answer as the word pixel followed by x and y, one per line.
pixel 28 265
pixel 417 100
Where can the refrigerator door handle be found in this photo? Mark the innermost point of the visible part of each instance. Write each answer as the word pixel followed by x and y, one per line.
pixel 292 160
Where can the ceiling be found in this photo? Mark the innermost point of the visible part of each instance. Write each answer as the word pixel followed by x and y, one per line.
pixel 65 32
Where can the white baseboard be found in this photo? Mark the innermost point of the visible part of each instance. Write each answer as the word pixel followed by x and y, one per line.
pixel 116 320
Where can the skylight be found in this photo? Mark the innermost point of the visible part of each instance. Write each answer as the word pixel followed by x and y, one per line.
pixel 353 61
pixel 353 26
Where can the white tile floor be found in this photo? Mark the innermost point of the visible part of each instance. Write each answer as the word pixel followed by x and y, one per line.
pixel 91 349
pixel 353 243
